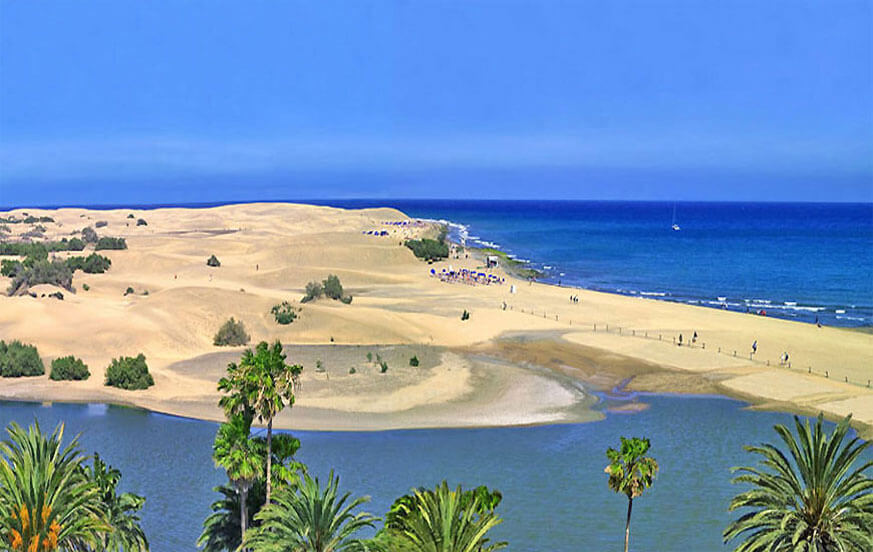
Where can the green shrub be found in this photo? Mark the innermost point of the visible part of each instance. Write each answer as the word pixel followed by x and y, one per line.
pixel 89 235
pixel 54 272
pixel 18 359
pixel 38 251
pixel 369 356
pixel 383 367
pixel 129 291
pixel 413 361
pixel 347 300
pixel 213 261
pixel 86 287
pixel 57 295
pixel 428 249
pixel 231 333
pixel 319 366
pixel 69 368
pixel 141 222
pixel 352 370
pixel 92 264
pixel 32 219
pixel 101 223
pixel 9 267
pixel 129 373
pixel 284 313
pixel 110 243
pixel 313 291
pixel 332 287
pixel 130 216
pixel 465 315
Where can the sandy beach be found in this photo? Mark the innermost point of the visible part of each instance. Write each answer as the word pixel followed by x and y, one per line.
pixel 518 360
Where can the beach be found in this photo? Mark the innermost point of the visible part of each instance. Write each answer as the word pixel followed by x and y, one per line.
pixel 518 360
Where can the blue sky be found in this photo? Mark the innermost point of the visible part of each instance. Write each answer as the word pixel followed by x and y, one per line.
pixel 153 102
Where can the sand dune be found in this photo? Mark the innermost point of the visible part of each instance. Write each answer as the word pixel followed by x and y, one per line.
pixel 269 251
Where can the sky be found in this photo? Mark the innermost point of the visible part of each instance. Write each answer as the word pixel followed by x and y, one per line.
pixel 158 102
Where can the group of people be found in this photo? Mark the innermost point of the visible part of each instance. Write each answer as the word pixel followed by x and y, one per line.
pixel 693 339
pixel 465 276
pixel 574 298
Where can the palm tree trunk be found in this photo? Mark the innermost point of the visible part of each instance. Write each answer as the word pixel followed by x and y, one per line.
pixel 630 505
pixel 243 512
pixel 269 457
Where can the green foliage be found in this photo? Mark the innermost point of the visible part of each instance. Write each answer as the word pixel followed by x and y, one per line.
pixel 213 261
pixel 69 368
pixel 465 315
pixel 369 356
pixel 89 235
pixel 809 495
pixel 352 371
pixel 130 216
pixel 383 367
pixel 129 291
pixel 413 361
pixel 121 511
pixel 428 249
pixel 333 289
pixel 86 287
pixel 54 272
pixel 319 366
pixel 231 333
pixel 36 250
pixel 284 313
pixel 92 264
pixel 630 472
pixel 313 291
pixel 45 480
pixel 310 518
pixel 101 223
pixel 10 267
pixel 33 220
pixel 141 222
pixel 129 373
pixel 18 359
pixel 443 520
pixel 110 243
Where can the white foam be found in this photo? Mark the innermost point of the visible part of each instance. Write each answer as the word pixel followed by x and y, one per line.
pixel 790 303
pixel 722 299
pixel 654 293
pixel 840 311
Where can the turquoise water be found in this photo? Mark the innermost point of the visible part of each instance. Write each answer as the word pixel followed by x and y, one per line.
pixel 555 494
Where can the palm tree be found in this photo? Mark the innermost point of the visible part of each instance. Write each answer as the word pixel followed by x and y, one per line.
pixel 811 499
pixel 236 452
pixel 46 500
pixel 631 472
pixel 443 520
pixel 262 385
pixel 222 530
pixel 310 519
pixel 120 510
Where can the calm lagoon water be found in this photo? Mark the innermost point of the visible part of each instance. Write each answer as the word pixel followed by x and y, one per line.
pixel 555 494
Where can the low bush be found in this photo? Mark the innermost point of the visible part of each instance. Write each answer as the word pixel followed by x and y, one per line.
pixel 383 367
pixel 413 361
pixel 130 216
pixel 9 267
pixel 319 366
pixel 86 287
pixel 101 223
pixel 92 264
pixel 313 291
pixel 284 313
pixel 213 261
pixel 89 235
pixel 129 373
pixel 57 295
pixel 110 243
pixel 141 222
pixel 231 333
pixel 18 359
pixel 352 370
pixel 428 249
pixel 24 249
pixel 54 272
pixel 69 368
pixel 129 291
pixel 369 356
pixel 347 300
pixel 465 315
pixel 332 287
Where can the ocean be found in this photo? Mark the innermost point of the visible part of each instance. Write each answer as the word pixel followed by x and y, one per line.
pixel 800 261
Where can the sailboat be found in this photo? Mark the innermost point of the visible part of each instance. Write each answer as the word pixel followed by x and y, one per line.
pixel 675 226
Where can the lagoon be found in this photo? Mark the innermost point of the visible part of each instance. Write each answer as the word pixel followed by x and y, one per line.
pixel 551 477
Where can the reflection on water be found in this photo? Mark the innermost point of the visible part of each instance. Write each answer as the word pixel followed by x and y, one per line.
pixel 555 493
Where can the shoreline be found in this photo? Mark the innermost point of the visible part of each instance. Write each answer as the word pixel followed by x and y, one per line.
pixel 397 306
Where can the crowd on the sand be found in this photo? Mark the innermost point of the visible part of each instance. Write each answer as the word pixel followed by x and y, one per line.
pixel 467 276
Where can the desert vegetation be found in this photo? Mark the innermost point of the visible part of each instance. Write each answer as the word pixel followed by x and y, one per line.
pixel 331 288
pixel 69 368
pixel 18 359
pixel 110 243
pixel 92 264
pixel 284 313
pixel 231 333
pixel 213 261
pixel 130 373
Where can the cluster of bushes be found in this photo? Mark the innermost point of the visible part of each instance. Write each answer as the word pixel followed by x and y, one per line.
pixel 141 222
pixel 69 368
pixel 101 223
pixel 284 313
pixel 213 261
pixel 18 359
pixel 110 243
pixel 30 219
pixel 89 235
pixel 31 273
pixel 231 333
pixel 413 361
pixel 383 366
pixel 129 373
pixel 330 288
pixel 40 250
pixel 92 264
pixel 428 249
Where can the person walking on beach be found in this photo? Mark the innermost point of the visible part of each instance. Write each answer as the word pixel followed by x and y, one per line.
pixel 680 340
pixel 755 347
pixel 694 337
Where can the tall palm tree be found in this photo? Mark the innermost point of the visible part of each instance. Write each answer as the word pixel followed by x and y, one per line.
pixel 236 452
pixel 310 518
pixel 263 385
pixel 631 472
pixel 443 520
pixel 812 499
pixel 46 500
pixel 120 509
